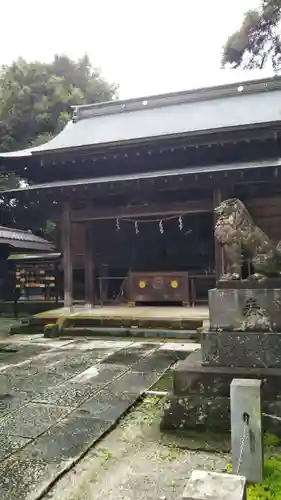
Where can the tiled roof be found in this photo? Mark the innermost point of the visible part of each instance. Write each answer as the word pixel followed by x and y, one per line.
pixel 203 169
pixel 183 113
pixel 23 239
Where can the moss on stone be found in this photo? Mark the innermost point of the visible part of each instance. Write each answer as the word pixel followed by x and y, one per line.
pixel 165 383
pixel 146 412
pixel 199 330
pixel 50 330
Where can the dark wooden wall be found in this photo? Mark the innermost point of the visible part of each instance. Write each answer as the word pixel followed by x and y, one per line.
pixel 190 249
pixel 175 249
pixel 266 212
pixel 78 245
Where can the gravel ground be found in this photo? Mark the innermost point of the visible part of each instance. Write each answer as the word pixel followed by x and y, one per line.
pixel 135 461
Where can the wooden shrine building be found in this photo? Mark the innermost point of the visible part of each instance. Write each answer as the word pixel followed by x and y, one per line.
pixel 134 184
pixel 13 240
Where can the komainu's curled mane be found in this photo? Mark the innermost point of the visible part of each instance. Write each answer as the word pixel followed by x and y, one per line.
pixel 236 231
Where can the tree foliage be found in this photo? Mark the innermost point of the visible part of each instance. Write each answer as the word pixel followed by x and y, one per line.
pixel 258 40
pixel 35 98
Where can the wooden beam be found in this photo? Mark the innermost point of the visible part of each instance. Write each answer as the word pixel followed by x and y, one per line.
pixel 218 196
pixel 188 207
pixel 89 266
pixel 67 254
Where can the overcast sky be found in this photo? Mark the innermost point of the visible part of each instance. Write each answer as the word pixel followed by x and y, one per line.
pixel 147 47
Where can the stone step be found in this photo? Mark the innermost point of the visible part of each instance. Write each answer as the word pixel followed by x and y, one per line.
pixel 130 332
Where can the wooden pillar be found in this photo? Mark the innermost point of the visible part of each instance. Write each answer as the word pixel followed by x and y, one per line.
pixel 89 266
pixel 103 274
pixel 67 255
pixel 218 196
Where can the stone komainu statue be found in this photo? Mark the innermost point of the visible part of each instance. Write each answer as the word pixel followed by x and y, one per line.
pixel 237 233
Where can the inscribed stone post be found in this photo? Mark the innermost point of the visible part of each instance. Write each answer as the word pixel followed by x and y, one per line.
pixel 246 429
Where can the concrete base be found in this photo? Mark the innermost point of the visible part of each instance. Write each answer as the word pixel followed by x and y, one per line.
pixel 201 396
pixel 204 485
pixel 244 349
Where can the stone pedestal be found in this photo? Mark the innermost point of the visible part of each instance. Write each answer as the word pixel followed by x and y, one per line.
pixel 201 396
pixel 244 341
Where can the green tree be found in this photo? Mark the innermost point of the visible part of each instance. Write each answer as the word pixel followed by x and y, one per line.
pixel 258 40
pixel 35 98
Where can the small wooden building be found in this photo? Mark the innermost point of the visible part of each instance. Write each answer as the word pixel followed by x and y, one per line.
pixel 12 240
pixel 134 184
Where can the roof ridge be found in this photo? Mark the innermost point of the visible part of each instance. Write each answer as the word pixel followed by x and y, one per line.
pixel 28 231
pixel 246 104
pixel 82 111
pixel 23 231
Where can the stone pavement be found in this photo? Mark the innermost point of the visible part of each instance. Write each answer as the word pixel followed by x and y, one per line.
pixel 58 397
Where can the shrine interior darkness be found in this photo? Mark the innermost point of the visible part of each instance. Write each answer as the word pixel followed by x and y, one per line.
pixel 182 243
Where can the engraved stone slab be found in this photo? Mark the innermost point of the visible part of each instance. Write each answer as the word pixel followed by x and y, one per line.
pixel 245 309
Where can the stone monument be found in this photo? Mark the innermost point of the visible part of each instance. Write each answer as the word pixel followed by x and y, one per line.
pixel 244 336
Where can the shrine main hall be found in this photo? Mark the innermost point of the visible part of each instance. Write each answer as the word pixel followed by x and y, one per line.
pixel 133 184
